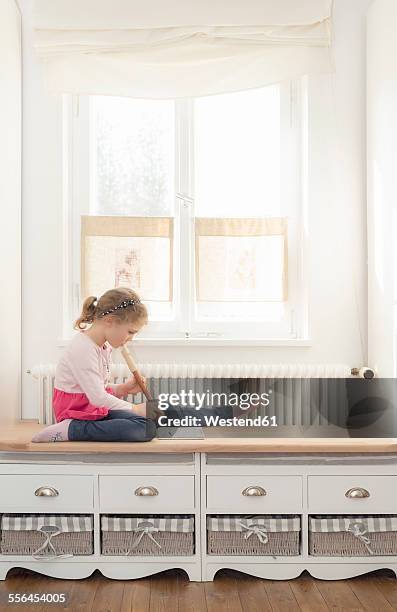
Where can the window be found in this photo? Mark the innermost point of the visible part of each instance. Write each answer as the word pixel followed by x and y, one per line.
pixel 194 203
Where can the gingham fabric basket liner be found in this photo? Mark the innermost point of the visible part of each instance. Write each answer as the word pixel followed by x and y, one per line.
pixel 65 524
pixel 273 523
pixel 178 524
pixel 333 524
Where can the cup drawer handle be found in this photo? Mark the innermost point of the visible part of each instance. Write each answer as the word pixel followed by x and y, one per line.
pixel 46 492
pixel 150 491
pixel 254 491
pixel 357 493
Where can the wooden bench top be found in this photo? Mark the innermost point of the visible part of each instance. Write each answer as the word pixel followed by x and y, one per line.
pixel 17 438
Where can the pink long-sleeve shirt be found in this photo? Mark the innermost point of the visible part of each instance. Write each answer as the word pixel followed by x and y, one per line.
pixel 81 387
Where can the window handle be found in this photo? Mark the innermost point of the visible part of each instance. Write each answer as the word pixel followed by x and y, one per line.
pixel 185 198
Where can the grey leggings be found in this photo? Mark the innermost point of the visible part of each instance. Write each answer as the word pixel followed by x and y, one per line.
pixel 117 426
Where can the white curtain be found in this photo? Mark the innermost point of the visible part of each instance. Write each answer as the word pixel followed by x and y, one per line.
pixel 175 48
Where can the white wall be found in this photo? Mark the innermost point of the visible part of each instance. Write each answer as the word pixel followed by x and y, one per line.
pixel 337 197
pixel 382 185
pixel 337 240
pixel 10 206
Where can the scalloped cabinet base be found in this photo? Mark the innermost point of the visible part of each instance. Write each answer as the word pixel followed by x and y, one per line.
pixel 289 571
pixel 116 571
pixel 199 485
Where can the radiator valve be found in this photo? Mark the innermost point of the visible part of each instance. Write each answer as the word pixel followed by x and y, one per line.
pixel 364 372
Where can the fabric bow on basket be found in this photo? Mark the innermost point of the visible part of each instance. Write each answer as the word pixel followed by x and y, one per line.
pixel 359 530
pixel 145 528
pixel 259 530
pixel 49 531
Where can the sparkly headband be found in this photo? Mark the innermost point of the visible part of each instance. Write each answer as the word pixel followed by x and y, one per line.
pixel 120 306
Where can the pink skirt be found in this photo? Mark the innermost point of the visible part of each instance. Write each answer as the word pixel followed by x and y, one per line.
pixel 76 406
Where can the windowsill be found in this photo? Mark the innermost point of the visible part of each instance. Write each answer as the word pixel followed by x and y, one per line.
pixel 270 342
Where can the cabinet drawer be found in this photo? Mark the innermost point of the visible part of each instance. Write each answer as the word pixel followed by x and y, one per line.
pixel 327 494
pixel 125 494
pixel 65 493
pixel 279 494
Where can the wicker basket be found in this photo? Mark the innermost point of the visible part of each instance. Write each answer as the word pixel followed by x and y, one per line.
pixel 353 536
pixel 171 535
pixel 253 535
pixel 46 536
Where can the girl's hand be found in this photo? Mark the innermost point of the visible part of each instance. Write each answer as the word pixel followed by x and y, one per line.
pixel 131 386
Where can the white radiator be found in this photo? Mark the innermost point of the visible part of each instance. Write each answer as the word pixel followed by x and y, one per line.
pixel 171 378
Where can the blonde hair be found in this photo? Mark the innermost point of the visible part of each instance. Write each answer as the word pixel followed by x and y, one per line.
pixel 94 309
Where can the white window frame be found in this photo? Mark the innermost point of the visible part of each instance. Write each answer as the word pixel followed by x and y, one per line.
pixel 78 191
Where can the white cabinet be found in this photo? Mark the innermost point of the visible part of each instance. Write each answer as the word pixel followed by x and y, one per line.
pixel 144 486
pixel 197 487
pixel 315 485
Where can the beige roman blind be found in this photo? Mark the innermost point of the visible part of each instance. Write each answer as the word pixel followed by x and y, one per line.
pixel 127 252
pixel 174 49
pixel 241 260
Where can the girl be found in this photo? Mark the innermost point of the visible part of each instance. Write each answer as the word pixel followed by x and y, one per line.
pixel 86 407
